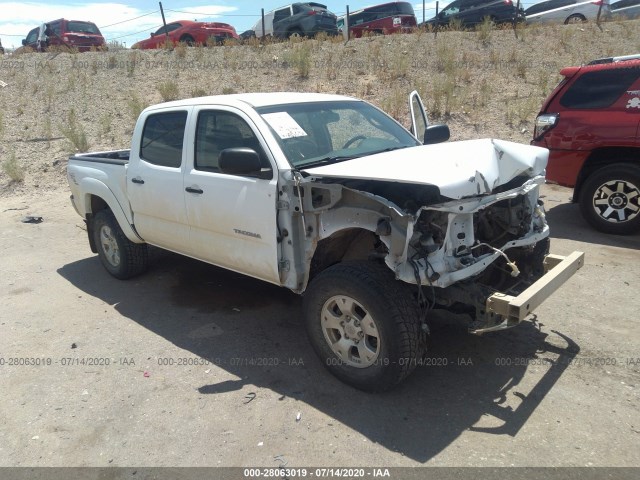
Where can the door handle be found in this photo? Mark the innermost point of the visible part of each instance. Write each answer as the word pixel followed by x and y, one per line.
pixel 194 190
pixel 137 180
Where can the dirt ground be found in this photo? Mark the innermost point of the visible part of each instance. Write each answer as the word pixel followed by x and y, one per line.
pixel 190 365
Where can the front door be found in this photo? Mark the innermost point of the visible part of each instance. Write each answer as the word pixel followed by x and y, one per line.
pixel 232 217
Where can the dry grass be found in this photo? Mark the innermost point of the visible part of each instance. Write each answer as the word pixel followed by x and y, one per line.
pixel 13 169
pixel 74 132
pixel 169 90
pixel 300 57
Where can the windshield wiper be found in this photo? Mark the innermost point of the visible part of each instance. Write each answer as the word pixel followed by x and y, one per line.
pixel 389 149
pixel 326 161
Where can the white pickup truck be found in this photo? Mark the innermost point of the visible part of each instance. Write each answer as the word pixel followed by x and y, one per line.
pixel 328 196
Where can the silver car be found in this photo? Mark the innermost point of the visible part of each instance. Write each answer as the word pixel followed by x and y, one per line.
pixel 626 9
pixel 567 11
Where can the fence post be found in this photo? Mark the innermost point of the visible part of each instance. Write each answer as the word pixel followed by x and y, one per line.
pixel 435 32
pixel 262 14
pixel 598 17
pixel 515 19
pixel 164 22
pixel 347 25
pixel 423 11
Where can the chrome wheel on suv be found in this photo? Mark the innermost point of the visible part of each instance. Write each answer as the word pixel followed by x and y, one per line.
pixel 610 199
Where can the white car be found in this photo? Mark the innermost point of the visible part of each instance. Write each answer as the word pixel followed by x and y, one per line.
pixel 567 11
pixel 626 9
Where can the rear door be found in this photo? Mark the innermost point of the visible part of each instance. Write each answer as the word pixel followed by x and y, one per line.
pixel 281 22
pixel 600 108
pixel 232 217
pixel 155 180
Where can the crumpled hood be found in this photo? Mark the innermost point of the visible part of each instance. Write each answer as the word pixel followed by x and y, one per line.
pixel 458 169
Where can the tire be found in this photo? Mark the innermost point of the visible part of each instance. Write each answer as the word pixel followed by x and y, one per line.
pixel 295 33
pixel 610 199
pixel 188 39
pixel 120 256
pixel 575 18
pixel 381 353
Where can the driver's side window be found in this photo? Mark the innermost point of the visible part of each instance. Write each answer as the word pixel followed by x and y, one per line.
pixel 218 130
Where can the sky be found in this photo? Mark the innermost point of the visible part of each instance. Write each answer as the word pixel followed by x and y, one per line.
pixel 118 20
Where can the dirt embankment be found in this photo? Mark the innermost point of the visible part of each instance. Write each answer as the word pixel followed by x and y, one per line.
pixel 480 84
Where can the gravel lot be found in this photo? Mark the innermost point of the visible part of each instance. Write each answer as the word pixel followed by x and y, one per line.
pixel 190 365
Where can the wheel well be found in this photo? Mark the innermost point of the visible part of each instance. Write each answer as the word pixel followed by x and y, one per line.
pixel 346 245
pixel 601 157
pixel 96 204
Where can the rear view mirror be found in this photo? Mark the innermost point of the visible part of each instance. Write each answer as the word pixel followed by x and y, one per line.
pixel 436 134
pixel 243 161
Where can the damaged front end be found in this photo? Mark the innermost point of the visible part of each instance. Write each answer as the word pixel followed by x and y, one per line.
pixel 480 246
pixel 480 254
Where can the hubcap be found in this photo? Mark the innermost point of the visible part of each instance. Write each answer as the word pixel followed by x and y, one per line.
pixel 350 331
pixel 617 201
pixel 109 246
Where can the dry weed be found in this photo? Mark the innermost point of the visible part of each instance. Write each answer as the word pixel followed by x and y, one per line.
pixel 13 169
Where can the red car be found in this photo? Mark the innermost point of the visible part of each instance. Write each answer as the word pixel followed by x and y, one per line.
pixel 191 33
pixel 591 125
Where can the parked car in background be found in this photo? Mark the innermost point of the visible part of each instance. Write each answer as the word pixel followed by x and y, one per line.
pixel 297 19
pixel 384 19
pixel 567 11
pixel 73 34
pixel 591 125
pixel 626 9
pixel 189 32
pixel 1 48
pixel 473 12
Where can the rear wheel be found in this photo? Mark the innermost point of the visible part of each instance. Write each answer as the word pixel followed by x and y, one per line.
pixel 363 324
pixel 188 39
pixel 120 256
pixel 295 33
pixel 610 199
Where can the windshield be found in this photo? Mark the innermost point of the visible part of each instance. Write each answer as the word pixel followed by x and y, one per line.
pixel 319 133
pixel 83 27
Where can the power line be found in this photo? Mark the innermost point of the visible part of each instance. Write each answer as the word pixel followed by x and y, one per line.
pixel 136 33
pixel 213 14
pixel 130 20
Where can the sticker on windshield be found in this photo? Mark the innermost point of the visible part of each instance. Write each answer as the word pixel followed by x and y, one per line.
pixel 284 125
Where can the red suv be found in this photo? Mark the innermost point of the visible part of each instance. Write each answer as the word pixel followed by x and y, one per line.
pixel 591 125
pixel 74 34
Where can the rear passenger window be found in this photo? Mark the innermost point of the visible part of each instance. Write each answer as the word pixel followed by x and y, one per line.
pixel 162 139
pixel 599 89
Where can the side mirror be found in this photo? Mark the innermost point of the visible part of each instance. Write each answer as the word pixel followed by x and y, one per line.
pixel 24 42
pixel 436 134
pixel 152 34
pixel 243 161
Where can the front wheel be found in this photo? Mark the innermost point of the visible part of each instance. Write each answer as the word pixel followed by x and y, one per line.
pixel 575 18
pixel 120 256
pixel 610 199
pixel 364 325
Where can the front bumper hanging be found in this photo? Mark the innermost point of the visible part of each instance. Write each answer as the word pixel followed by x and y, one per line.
pixel 512 310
